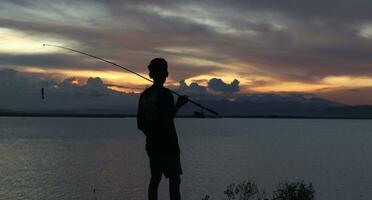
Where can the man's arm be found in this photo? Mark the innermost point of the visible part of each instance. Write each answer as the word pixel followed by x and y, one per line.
pixel 181 100
pixel 140 117
pixel 141 124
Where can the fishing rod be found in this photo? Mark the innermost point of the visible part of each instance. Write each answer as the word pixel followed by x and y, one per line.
pixel 131 71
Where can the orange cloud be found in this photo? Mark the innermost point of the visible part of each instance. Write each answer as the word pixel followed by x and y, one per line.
pixel 115 77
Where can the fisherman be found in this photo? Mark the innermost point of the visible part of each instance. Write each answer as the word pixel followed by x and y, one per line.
pixel 156 111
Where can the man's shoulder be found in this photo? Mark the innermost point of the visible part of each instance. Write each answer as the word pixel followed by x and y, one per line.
pixel 147 91
pixel 166 90
pixel 161 90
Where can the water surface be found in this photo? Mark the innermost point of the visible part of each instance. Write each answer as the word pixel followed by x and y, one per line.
pixel 65 158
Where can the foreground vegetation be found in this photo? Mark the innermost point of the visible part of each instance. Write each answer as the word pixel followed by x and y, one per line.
pixel 247 190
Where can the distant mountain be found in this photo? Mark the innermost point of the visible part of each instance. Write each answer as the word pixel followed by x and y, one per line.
pixel 362 111
pixel 263 105
pixel 266 105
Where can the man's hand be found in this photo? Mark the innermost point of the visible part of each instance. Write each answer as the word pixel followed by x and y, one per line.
pixel 182 100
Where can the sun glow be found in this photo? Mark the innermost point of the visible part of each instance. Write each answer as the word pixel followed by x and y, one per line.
pixel 115 77
pixel 349 81
pixel 75 82
pixel 132 83
pixel 125 90
pixel 16 42
pixel 328 83
pixel 288 87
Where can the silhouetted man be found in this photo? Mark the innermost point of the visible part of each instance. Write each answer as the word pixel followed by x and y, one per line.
pixel 156 111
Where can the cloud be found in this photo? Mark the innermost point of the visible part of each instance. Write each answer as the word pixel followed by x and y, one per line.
pixel 218 85
pixel 193 89
pixel 95 83
pixel 216 88
pixel 279 45
pixel 14 83
pixel 40 60
pixel 286 41
pixel 22 92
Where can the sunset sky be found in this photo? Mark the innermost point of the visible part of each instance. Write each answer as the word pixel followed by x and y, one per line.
pixel 320 47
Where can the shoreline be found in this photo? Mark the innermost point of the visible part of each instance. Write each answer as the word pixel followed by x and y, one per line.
pixel 63 115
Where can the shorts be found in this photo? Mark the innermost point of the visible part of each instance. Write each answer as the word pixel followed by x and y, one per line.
pixel 167 164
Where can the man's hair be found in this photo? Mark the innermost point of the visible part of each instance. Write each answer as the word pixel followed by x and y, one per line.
pixel 158 65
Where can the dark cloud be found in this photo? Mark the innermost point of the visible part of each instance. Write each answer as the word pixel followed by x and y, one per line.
pixel 193 89
pixel 95 83
pixel 318 9
pixel 14 83
pixel 216 88
pixel 219 85
pixel 41 60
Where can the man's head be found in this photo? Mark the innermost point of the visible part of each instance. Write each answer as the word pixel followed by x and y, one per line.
pixel 158 69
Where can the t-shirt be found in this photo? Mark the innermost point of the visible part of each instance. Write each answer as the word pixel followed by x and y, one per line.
pixel 155 115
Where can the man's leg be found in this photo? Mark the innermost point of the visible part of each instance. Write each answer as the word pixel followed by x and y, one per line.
pixel 174 187
pixel 153 187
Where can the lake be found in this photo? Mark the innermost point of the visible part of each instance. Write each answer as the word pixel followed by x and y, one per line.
pixel 66 158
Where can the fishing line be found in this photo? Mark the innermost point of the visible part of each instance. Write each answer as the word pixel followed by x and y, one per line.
pixel 131 71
